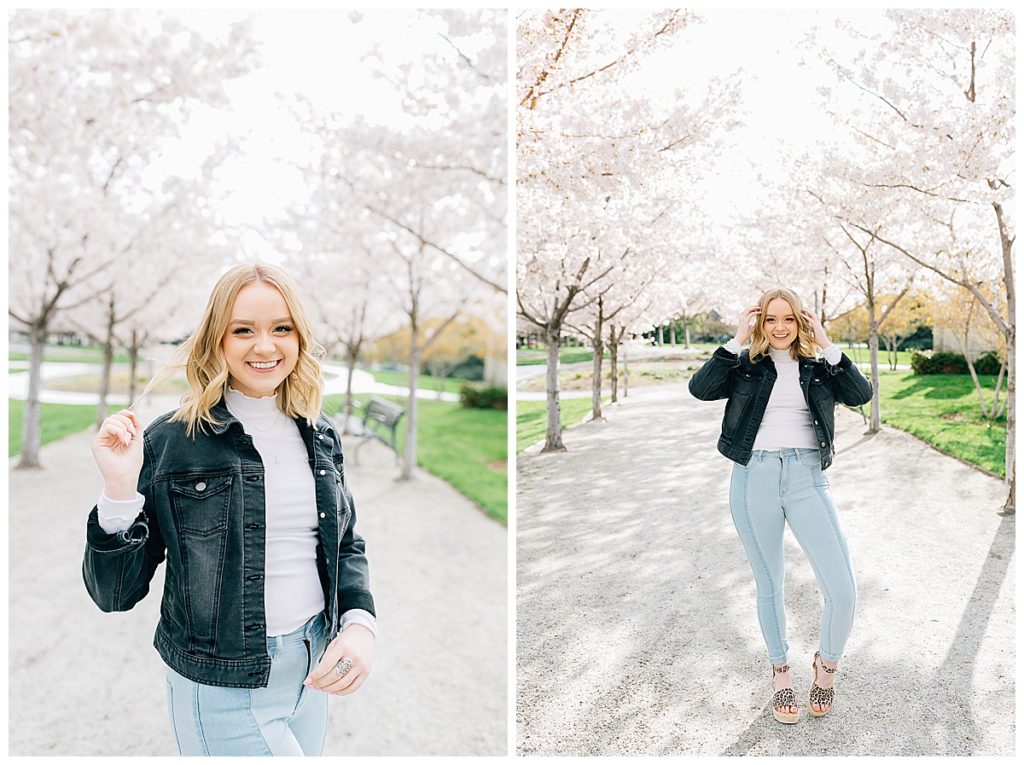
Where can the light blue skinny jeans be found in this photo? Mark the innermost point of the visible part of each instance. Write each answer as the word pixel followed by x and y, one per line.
pixel 285 718
pixel 789 485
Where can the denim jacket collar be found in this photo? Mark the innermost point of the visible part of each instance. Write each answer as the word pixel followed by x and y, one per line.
pixel 322 427
pixel 226 420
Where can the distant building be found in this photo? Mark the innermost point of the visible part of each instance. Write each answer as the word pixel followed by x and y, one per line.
pixel 944 340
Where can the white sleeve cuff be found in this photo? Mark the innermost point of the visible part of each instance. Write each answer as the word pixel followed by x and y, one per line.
pixel 733 347
pixel 359 616
pixel 833 355
pixel 116 515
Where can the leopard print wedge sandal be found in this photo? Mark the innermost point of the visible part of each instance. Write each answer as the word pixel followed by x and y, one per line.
pixel 782 698
pixel 818 695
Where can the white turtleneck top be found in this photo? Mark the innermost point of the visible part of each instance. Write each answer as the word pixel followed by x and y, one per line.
pixel 787 419
pixel 292 591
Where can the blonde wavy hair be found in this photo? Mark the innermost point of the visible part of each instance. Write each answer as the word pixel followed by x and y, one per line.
pixel 202 357
pixel 803 346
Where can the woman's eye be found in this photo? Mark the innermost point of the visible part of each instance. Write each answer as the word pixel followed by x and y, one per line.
pixel 280 328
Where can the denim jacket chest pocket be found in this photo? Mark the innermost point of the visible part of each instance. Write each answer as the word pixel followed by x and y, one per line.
pixel 201 503
pixel 819 388
pixel 747 382
pixel 744 388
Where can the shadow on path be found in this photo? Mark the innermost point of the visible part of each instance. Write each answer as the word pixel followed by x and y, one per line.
pixel 636 620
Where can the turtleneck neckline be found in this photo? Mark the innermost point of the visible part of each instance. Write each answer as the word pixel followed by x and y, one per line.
pixel 249 406
pixel 778 355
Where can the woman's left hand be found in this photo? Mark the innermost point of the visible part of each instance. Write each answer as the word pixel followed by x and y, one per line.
pixel 819 331
pixel 357 645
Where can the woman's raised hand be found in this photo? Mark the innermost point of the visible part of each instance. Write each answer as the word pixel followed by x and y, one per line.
pixel 117 449
pixel 745 325
pixel 820 336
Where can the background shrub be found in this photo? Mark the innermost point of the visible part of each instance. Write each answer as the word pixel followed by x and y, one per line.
pixel 953 364
pixel 484 397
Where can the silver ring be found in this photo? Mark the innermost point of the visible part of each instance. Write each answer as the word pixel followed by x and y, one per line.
pixel 342 667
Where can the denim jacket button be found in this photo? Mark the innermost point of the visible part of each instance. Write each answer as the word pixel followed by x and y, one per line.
pixel 323 472
pixel 321 436
pixel 822 443
pixel 200 486
pixel 323 515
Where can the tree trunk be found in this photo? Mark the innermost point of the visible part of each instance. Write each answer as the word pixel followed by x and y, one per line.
pixel 598 338
pixel 351 356
pixel 133 365
pixel 672 334
pixel 409 453
pixel 659 335
pixel 108 365
pixel 1009 508
pixel 625 371
pixel 553 438
pixel 595 388
pixel 688 346
pixel 31 429
pixel 613 352
pixel 876 413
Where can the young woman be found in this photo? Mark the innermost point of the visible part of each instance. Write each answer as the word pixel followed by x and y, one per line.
pixel 266 606
pixel 779 429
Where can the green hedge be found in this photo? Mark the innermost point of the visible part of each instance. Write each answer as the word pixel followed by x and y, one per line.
pixel 953 364
pixel 484 397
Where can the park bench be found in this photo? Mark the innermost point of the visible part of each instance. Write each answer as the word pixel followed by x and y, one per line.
pixel 379 423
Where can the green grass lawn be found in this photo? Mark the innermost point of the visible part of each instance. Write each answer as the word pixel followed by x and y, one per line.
pixel 119 379
pixel 468 448
pixel 74 353
pixel 863 356
pixel 428 382
pixel 529 358
pixel 943 410
pixel 58 420
pixel 531 418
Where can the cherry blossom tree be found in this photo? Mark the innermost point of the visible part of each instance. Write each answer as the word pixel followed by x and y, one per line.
pixel 936 104
pixel 334 254
pixel 592 154
pixel 91 96
pixel 455 99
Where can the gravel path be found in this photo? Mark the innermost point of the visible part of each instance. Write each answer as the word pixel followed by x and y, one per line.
pixel 636 624
pixel 87 683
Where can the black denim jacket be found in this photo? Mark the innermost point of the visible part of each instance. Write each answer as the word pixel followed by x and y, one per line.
pixel 204 511
pixel 748 386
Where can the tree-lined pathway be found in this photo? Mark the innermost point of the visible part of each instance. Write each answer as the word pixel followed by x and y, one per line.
pixel 83 682
pixel 636 621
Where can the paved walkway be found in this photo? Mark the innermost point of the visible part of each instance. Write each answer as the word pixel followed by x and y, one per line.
pixel 637 630
pixel 87 683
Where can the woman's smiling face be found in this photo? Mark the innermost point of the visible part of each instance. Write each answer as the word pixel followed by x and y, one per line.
pixel 260 345
pixel 780 324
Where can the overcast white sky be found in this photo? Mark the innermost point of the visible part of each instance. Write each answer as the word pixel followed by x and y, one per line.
pixel 315 53
pixel 779 96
